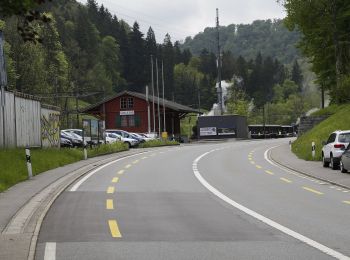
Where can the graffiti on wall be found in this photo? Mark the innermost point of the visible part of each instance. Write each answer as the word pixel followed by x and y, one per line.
pixel 50 129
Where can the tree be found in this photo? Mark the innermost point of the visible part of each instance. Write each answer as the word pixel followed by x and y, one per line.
pixel 324 25
pixel 135 72
pixel 297 76
pixel 25 10
pixel 168 57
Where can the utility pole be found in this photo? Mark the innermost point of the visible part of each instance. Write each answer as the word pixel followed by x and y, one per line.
pixel 219 90
pixel 154 112
pixel 3 84
pixel 148 112
pixel 158 98
pixel 164 129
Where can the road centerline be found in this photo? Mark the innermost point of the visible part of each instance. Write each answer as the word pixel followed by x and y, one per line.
pixel 114 229
pixel 313 191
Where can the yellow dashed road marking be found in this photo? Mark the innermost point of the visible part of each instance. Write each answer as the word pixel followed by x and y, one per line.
pixel 109 204
pixel 128 166
pixel 258 166
pixel 252 162
pixel 110 190
pixel 268 172
pixel 143 158
pixel 113 227
pixel 250 159
pixel 285 180
pixel 135 162
pixel 346 202
pixel 121 172
pixel 312 190
pixel 115 179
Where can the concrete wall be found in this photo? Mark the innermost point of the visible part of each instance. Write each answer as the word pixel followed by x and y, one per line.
pixel 308 122
pixel 21 122
pixel 219 127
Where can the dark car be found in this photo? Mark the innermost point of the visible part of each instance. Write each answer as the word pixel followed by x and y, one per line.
pixel 345 160
pixel 75 139
pixel 64 142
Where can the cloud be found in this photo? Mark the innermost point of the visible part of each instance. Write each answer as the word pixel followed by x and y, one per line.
pixel 183 18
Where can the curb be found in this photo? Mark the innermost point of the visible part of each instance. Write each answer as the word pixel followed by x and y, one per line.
pixel 304 173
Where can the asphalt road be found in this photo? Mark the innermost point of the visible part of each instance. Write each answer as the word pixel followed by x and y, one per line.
pixel 204 201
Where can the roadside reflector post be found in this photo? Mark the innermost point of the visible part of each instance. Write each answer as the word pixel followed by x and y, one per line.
pixel 313 150
pixel 29 163
pixel 290 144
pixel 85 152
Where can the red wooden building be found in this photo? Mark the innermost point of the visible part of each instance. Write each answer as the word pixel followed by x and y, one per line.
pixel 128 111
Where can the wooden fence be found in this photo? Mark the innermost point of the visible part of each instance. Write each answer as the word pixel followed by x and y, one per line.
pixel 25 122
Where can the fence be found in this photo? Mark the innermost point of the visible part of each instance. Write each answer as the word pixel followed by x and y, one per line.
pixel 24 121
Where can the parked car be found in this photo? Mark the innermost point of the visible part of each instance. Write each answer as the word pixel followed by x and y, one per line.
pixel 138 137
pixel 87 139
pixel 146 137
pixel 334 147
pixel 65 142
pixel 345 160
pixel 125 137
pixel 76 140
pixel 112 138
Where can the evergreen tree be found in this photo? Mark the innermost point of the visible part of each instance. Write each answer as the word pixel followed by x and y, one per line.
pixel 169 62
pixel 135 73
pixel 297 76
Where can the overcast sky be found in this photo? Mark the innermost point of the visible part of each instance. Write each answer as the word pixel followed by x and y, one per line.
pixel 182 18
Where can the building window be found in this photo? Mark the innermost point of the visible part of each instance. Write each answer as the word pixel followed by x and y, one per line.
pixel 128 121
pixel 126 102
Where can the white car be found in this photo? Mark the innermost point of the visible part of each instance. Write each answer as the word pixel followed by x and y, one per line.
pixel 334 148
pixel 112 138
pixel 125 137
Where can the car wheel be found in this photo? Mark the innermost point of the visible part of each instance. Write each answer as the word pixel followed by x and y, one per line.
pixel 332 163
pixel 342 169
pixel 324 162
pixel 129 145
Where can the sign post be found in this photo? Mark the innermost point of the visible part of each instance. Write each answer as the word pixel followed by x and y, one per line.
pixel 313 150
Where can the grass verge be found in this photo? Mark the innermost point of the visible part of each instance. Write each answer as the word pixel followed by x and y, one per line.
pixel 155 143
pixel 13 162
pixel 339 120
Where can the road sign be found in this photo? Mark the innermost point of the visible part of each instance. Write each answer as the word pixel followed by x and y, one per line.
pixel 3 76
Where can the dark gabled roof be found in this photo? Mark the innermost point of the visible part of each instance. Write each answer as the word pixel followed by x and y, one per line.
pixel 168 104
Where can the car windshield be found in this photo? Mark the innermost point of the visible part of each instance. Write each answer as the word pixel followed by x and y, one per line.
pixel 344 138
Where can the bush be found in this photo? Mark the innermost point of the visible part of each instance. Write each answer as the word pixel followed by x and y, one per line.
pixel 107 149
pixel 155 143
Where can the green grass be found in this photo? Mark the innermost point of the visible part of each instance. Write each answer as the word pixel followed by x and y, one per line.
pixel 156 143
pixel 339 120
pixel 331 110
pixel 14 167
pixel 107 149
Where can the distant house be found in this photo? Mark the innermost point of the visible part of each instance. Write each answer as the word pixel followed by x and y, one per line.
pixel 128 111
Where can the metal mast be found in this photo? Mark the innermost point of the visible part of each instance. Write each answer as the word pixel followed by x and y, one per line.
pixel 153 110
pixel 219 89
pixel 164 129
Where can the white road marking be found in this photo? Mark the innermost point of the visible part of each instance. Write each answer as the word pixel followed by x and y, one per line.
pixel 82 180
pixel 266 220
pixel 50 251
